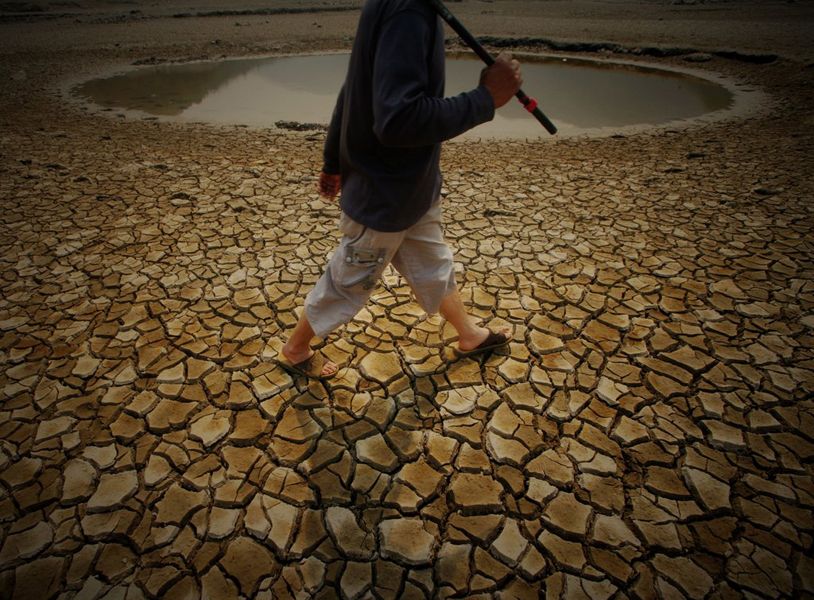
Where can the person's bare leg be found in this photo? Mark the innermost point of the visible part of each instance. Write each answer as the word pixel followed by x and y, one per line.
pixel 470 334
pixel 298 346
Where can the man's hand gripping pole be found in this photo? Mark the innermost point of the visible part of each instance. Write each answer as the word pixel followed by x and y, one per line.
pixel 530 104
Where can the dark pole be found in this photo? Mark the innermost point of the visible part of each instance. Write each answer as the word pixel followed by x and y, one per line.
pixel 530 104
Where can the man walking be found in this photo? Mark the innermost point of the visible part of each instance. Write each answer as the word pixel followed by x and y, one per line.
pixel 382 150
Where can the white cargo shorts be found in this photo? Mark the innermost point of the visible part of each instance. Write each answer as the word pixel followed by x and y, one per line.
pixel 419 253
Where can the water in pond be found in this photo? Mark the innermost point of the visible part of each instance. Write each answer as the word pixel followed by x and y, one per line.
pixel 578 96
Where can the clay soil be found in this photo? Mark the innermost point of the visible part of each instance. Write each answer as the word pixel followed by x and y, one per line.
pixel 647 433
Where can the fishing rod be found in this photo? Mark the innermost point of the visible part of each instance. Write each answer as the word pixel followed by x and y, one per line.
pixel 530 104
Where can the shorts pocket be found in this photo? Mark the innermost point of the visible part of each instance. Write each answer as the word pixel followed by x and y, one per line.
pixel 362 267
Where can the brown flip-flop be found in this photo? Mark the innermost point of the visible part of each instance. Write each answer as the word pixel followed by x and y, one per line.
pixel 311 367
pixel 492 341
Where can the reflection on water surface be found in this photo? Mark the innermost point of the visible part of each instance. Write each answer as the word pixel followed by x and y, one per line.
pixel 579 96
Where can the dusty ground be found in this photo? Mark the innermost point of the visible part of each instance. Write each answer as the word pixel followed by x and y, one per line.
pixel 647 434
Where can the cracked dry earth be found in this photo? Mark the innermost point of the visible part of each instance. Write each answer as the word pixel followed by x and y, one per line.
pixel 648 433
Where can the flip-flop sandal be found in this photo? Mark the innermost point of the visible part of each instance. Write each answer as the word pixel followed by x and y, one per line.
pixel 492 341
pixel 311 367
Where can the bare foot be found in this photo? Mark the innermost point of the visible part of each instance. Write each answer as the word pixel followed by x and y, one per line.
pixel 297 356
pixel 470 342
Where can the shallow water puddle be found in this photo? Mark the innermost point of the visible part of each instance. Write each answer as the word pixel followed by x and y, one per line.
pixel 579 96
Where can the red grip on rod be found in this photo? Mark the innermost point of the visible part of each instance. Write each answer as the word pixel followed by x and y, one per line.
pixel 530 105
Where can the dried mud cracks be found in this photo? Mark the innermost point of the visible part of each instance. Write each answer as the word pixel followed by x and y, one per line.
pixel 648 432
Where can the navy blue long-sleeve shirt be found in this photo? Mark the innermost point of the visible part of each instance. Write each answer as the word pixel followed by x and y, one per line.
pixel 391 116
